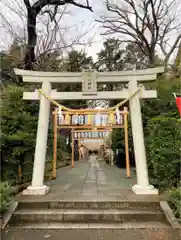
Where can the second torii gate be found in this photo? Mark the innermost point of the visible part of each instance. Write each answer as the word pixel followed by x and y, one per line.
pixel 82 135
pixel 70 119
pixel 90 134
pixel 89 82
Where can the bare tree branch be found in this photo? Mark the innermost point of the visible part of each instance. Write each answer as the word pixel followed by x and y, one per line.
pixel 32 13
pixel 49 33
pixel 42 3
pixel 149 23
pixel 175 44
pixel 27 4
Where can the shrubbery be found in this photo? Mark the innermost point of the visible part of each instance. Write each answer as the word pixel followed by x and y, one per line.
pixel 163 148
pixel 6 192
pixel 18 135
pixel 175 201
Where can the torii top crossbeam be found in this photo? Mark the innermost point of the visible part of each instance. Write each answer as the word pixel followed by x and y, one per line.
pixel 102 77
pixel 85 78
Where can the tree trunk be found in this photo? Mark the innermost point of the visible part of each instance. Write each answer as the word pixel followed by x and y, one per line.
pixel 29 59
pixel 20 174
pixel 152 58
pixel 177 63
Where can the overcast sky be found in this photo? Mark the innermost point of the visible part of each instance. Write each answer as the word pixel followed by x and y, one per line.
pixel 83 20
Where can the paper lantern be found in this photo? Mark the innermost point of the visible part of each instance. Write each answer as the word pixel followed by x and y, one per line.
pixel 67 119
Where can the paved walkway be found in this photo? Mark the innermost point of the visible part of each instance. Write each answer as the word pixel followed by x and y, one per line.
pixel 100 234
pixel 90 178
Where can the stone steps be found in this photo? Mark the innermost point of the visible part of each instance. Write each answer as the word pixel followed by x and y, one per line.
pixel 92 226
pixel 90 205
pixel 86 215
pixel 89 215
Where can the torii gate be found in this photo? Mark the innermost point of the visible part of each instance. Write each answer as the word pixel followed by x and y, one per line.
pixel 89 134
pixel 72 119
pixel 89 82
pixel 82 135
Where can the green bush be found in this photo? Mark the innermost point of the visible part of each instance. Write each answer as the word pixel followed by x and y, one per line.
pixel 6 192
pixel 175 202
pixel 18 133
pixel 163 148
pixel 118 140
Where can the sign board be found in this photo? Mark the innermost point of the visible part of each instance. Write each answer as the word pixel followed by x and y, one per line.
pixel 89 83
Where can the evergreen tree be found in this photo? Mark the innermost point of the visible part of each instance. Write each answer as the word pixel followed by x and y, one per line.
pixel 110 57
pixel 75 62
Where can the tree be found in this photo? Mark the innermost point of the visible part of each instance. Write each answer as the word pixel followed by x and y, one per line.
pixel 12 58
pixel 177 64
pixel 48 62
pixel 32 13
pixel 5 70
pixel 40 34
pixel 117 56
pixel 149 24
pixel 134 58
pixel 18 131
pixel 110 57
pixel 75 62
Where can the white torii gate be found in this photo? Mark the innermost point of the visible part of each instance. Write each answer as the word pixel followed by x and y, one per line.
pixel 89 82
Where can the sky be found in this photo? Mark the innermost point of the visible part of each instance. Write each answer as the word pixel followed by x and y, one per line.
pixel 82 19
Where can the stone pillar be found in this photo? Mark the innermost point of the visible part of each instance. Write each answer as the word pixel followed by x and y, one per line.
pixel 143 186
pixel 37 187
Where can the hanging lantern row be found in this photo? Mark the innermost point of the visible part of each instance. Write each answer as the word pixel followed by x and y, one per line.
pixel 111 118
pixel 90 134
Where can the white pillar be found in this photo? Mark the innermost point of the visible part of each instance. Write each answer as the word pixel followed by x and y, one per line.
pixel 37 187
pixel 142 186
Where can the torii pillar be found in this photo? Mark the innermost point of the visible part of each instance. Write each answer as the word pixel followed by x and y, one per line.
pixel 142 186
pixel 37 187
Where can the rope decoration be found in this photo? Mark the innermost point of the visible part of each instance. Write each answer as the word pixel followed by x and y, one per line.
pixel 141 87
pixel 113 109
pixel 53 101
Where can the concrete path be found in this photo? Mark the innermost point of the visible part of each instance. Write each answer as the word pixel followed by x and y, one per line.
pixel 90 178
pixel 100 234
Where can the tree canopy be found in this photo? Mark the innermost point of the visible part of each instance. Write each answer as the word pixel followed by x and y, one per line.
pixel 150 24
pixel 43 7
